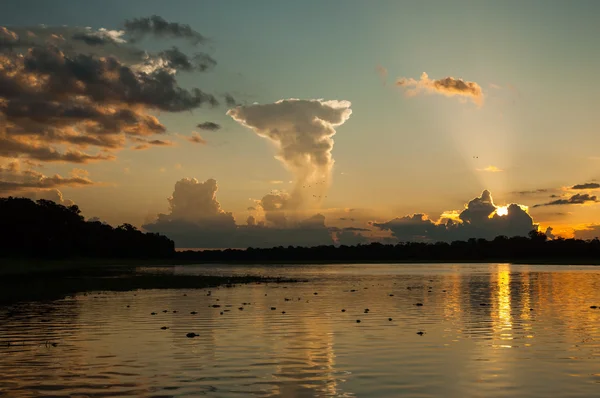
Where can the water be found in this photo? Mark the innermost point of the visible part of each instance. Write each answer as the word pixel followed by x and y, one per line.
pixel 535 336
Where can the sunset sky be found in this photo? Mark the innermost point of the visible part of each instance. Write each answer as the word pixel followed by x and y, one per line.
pixel 336 120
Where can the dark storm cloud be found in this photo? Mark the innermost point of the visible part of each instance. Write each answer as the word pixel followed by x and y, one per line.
pixel 478 220
pixel 576 199
pixel 587 185
pixel 159 27
pixel 208 126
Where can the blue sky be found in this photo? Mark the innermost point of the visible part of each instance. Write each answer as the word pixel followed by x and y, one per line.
pixel 398 155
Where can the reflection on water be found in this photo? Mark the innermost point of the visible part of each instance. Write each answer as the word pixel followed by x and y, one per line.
pixel 489 331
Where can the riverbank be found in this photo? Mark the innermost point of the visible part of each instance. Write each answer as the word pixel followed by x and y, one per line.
pixel 62 281
pixel 29 267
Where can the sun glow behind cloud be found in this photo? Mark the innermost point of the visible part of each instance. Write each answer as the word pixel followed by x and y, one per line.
pixel 502 210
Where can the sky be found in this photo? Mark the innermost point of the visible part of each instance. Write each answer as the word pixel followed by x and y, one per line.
pixel 337 121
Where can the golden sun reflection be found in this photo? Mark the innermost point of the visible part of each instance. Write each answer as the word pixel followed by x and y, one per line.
pixel 502 304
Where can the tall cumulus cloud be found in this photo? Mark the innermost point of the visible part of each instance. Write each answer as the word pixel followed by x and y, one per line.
pixel 303 132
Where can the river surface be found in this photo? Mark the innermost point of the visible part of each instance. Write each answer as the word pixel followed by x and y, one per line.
pixel 488 330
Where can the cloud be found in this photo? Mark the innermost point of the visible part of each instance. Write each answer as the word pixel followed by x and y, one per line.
pixel 479 219
pixel 65 89
pixel 383 74
pixel 196 138
pixel 13 179
pixel 303 131
pixel 576 199
pixel 350 238
pixel 531 192
pixel 230 101
pixel 47 194
pixel 208 126
pixel 275 206
pixel 16 148
pixel 591 231
pixel 491 169
pixel 100 37
pixel 196 220
pixel 174 60
pixel 145 144
pixel 549 233
pixel 159 27
pixel 587 185
pixel 448 86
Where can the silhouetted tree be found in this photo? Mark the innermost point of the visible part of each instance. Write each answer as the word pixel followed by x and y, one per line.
pixel 535 247
pixel 45 229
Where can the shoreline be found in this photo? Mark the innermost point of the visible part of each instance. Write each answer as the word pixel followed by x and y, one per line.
pixel 35 268
pixel 59 283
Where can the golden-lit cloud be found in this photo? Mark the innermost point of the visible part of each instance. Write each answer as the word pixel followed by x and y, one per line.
pixel 79 95
pixel 590 231
pixel 196 138
pixel 448 86
pixel 13 179
pixel 491 169
pixel 480 218
pixel 303 131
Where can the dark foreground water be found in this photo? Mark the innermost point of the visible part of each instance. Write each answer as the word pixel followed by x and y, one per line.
pixel 489 330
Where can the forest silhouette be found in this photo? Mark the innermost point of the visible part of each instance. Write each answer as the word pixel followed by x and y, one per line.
pixel 46 230
pixel 535 248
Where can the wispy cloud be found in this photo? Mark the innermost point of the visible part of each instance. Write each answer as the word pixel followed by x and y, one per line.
pixel 196 138
pixel 577 199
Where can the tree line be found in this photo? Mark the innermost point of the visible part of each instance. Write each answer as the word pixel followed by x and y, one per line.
pixel 45 229
pixel 534 248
